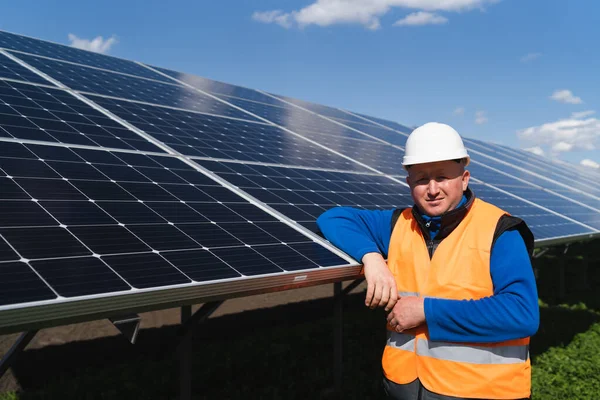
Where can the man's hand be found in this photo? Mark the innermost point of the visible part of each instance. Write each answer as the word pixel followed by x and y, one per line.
pixel 409 312
pixel 381 285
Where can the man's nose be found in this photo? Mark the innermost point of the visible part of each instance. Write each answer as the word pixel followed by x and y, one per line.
pixel 433 188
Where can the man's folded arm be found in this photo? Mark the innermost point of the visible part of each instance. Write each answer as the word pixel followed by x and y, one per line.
pixel 512 312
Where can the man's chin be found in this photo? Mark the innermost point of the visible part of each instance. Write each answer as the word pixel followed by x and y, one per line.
pixel 435 209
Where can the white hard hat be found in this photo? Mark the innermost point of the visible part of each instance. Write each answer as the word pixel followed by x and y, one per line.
pixel 434 142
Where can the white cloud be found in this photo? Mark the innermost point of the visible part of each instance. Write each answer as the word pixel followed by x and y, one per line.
pixel 364 12
pixel 564 135
pixel 421 18
pixel 275 16
pixel 582 114
pixel 459 111
pixel 535 150
pixel 480 117
pixel 590 163
pixel 97 44
pixel 566 96
pixel 530 57
pixel 561 147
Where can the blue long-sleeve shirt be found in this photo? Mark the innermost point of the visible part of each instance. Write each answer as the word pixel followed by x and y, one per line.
pixel 512 312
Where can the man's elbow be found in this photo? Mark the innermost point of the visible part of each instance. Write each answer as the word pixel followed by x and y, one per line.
pixel 532 324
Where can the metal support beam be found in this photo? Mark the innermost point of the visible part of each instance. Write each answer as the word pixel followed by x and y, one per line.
pixel 351 287
pixel 541 252
pixel 185 348
pixel 128 325
pixel 15 350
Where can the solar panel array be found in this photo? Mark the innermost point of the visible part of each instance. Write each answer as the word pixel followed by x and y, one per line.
pixel 125 186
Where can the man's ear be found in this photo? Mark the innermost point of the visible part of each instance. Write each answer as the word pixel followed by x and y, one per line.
pixel 465 179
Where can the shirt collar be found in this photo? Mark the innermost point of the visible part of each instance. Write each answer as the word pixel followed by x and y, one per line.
pixel 441 226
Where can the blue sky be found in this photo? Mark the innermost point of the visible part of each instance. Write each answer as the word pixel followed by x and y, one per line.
pixel 521 73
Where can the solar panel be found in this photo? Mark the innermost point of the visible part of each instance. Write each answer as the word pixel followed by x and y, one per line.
pixel 103 211
pixel 71 54
pixel 107 83
pixel 216 87
pixel 294 118
pixel 386 123
pixel 321 109
pixel 303 194
pixel 544 224
pixel 500 172
pixel 52 115
pixel 547 173
pixel 85 222
pixel 9 69
pixel 201 135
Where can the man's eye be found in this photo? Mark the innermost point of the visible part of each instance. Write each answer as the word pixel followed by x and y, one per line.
pixel 441 178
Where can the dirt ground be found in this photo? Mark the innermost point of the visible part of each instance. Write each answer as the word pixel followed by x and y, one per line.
pixel 62 335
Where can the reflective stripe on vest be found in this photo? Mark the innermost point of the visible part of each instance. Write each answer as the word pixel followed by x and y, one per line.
pixel 472 354
pixel 408 294
pixel 402 341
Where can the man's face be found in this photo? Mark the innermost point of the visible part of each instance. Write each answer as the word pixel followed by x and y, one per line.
pixel 437 187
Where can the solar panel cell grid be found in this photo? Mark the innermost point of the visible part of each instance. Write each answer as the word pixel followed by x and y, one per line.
pixel 566 177
pixel 321 109
pixel 389 136
pixel 61 52
pixel 90 80
pixel 20 284
pixel 543 224
pixel 380 156
pixel 216 87
pixel 295 119
pixel 508 175
pixel 52 115
pixel 385 122
pixel 302 194
pixel 11 70
pixel 200 135
pixel 113 211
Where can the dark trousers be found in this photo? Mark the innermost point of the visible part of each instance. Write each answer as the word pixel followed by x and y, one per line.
pixel 413 391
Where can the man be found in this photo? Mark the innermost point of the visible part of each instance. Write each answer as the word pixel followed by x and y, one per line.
pixel 458 282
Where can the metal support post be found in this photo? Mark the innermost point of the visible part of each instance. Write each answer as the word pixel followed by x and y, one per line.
pixel 584 266
pixel 536 270
pixel 185 357
pixel 15 350
pixel 562 276
pixel 184 349
pixel 338 336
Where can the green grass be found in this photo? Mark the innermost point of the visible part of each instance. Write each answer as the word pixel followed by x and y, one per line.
pixel 570 372
pixel 287 352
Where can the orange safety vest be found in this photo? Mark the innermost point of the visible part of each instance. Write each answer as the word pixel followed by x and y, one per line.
pixel 459 270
